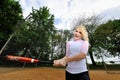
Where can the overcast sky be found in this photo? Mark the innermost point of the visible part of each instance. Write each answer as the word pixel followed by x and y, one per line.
pixel 66 10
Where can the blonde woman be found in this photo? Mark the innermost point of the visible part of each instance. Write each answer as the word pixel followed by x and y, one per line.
pixel 76 51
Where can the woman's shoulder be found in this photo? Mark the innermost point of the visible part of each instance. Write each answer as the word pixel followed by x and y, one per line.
pixel 85 42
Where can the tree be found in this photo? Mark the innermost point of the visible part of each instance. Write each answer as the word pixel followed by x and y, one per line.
pixel 33 36
pixel 60 43
pixel 108 36
pixel 10 15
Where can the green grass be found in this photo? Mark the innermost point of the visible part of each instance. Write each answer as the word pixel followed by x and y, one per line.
pixel 102 67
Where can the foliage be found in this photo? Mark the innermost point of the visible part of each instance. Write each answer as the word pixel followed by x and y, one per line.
pixel 10 15
pixel 61 37
pixel 108 36
pixel 33 37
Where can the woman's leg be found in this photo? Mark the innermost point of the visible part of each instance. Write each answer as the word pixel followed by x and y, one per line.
pixel 83 76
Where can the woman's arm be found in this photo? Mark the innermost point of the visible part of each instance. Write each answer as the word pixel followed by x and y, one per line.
pixel 76 57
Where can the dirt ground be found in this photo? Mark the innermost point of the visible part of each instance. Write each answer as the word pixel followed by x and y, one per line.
pixel 47 73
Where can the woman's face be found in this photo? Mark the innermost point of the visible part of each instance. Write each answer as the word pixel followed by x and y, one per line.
pixel 77 34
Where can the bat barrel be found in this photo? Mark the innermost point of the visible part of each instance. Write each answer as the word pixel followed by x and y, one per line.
pixel 21 59
pixel 26 60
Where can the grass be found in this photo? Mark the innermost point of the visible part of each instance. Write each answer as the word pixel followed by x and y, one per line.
pixel 110 67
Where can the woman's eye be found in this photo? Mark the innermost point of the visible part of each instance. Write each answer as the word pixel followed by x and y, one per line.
pixel 80 32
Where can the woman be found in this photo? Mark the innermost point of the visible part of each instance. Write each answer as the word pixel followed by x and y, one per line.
pixel 76 52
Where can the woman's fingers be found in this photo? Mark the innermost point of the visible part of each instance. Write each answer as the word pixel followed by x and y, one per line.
pixel 56 63
pixel 59 62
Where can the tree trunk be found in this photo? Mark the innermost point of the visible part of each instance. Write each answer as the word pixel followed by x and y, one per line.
pixel 92 59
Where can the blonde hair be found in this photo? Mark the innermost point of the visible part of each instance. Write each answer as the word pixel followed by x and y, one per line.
pixel 83 31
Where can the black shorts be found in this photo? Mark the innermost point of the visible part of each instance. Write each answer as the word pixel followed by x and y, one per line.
pixel 79 76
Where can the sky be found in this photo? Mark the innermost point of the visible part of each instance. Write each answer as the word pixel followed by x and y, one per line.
pixel 65 11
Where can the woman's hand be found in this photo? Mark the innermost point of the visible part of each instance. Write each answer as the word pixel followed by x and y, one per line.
pixel 56 63
pixel 59 62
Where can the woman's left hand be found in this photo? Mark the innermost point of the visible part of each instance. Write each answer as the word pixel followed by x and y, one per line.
pixel 59 62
